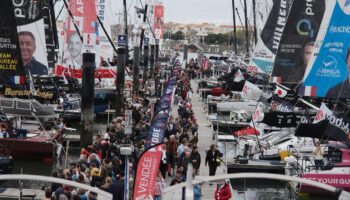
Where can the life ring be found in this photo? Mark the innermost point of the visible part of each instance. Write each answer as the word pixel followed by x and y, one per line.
pixel 3 126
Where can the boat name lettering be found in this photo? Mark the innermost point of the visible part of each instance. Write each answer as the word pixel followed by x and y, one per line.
pixel 308 10
pixel 341 181
pixel 18 10
pixel 11 92
pixel 338 122
pixel 339 29
pixel 281 22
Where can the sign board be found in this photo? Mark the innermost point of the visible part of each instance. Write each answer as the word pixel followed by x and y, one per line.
pixel 128 122
pixel 121 40
pixel 146 41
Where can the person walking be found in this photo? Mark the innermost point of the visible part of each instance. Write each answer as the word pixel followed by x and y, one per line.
pixel 196 160
pixel 318 153
pixel 213 159
pixel 223 192
pixel 160 185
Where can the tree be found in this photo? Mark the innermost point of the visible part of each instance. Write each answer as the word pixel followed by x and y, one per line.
pixel 179 35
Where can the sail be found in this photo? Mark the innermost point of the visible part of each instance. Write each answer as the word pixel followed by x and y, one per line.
pixel 298 40
pixel 30 26
pixel 10 56
pixel 105 50
pixel 266 48
pixel 327 73
pixel 84 19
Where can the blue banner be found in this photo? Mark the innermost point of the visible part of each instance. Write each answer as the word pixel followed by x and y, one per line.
pixel 328 76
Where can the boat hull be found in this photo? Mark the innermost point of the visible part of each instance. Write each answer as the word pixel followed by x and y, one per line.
pixel 336 180
pixel 28 148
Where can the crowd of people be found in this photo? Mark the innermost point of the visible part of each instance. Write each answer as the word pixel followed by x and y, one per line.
pixel 101 165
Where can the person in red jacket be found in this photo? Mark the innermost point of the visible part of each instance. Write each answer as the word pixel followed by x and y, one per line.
pixel 223 192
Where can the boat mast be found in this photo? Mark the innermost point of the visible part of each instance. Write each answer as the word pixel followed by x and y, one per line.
pixel 234 26
pixel 246 27
pixel 254 20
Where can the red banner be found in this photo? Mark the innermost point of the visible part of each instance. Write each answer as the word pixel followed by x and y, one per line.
pixel 147 170
pixel 84 13
pixel 159 21
pixel 78 73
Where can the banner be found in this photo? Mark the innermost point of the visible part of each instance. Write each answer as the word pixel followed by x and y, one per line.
pixel 281 119
pixel 105 50
pixel 298 40
pixel 84 14
pixel 159 21
pixel 10 56
pixel 327 73
pixel 31 34
pixel 267 46
pixel 102 72
pixel 251 91
pixel 146 173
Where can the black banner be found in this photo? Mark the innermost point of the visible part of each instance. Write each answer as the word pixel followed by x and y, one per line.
pixel 298 40
pixel 282 119
pixel 10 56
pixel 336 127
pixel 275 23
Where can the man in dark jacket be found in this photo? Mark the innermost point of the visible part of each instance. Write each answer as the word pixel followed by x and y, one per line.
pixel 117 189
pixel 195 160
pixel 213 155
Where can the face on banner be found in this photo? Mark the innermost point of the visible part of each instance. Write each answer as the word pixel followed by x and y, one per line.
pixel 328 73
pixel 31 35
pixel 297 41
pixel 158 21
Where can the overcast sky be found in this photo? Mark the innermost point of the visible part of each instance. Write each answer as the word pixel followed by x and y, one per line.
pixel 197 11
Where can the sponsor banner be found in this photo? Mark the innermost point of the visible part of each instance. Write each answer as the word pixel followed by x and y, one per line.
pixel 267 46
pixel 281 119
pixel 10 56
pixel 159 21
pixel 146 173
pixel 31 32
pixel 341 180
pixel 102 72
pixel 298 40
pixel 24 93
pixel 328 67
pixel 105 50
pixel 84 14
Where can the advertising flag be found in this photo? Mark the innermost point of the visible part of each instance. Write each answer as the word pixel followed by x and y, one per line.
pixel 298 40
pixel 84 16
pixel 31 33
pixel 251 91
pixel 159 21
pixel 328 70
pixel 146 173
pixel 10 56
pixel 267 46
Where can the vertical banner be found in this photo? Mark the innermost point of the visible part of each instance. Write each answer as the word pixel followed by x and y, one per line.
pixel 31 34
pixel 146 173
pixel 298 40
pixel 126 180
pixel 159 21
pixel 328 73
pixel 269 39
pixel 10 56
pixel 128 122
pixel 105 50
pixel 84 14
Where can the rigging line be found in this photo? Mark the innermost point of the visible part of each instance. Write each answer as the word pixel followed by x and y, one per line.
pixel 59 13
pixel 73 20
